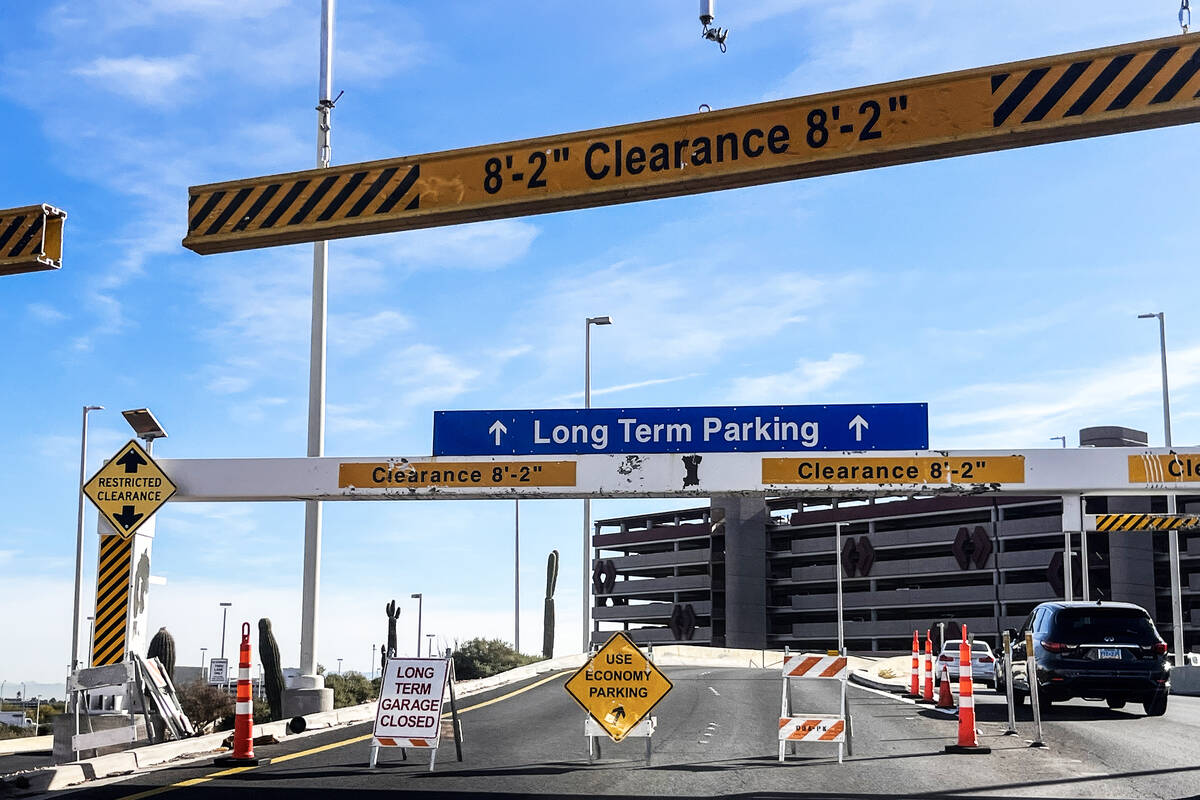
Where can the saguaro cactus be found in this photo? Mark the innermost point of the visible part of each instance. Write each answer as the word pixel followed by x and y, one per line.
pixel 548 622
pixel 162 647
pixel 268 651
pixel 393 614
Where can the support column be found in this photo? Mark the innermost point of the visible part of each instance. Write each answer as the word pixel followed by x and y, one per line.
pixel 745 569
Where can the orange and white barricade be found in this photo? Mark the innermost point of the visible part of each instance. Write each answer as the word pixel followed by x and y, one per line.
pixel 818 727
pixel 914 686
pixel 927 694
pixel 243 720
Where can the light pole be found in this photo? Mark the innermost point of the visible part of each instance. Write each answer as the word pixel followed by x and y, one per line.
pixel 517 575
pixel 372 662
pixel 203 650
pixel 1062 439
pixel 420 606
pixel 339 666
pixel 587 503
pixel 1172 535
pixel 79 539
pixel 430 636
pixel 224 614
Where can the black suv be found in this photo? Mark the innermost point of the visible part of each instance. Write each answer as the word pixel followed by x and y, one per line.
pixel 1097 651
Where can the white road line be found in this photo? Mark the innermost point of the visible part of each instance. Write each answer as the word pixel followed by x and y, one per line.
pixel 714 691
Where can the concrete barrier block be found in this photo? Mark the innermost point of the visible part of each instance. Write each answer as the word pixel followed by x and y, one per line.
pixel 1185 681
pixel 111 764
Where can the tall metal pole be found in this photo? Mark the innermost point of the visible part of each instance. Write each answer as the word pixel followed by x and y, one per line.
pixel 79 539
pixel 420 598
pixel 587 503
pixel 224 614
pixel 837 548
pixel 517 575
pixel 316 378
pixel 1173 535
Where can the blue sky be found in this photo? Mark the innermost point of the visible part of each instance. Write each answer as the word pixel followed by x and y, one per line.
pixel 1002 289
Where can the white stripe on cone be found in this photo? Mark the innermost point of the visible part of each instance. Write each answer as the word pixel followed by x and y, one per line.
pixel 243 708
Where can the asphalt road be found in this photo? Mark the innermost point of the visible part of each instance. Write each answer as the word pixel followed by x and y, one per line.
pixel 717 737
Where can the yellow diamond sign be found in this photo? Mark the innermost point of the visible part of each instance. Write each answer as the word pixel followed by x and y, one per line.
pixel 618 686
pixel 129 488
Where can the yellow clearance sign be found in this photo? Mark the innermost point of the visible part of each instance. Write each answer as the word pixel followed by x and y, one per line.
pixel 454 475
pixel 619 686
pixel 129 488
pixel 922 470
pixel 1109 90
pixel 1173 468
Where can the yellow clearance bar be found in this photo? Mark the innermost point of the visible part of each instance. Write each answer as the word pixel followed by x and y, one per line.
pixel 455 475
pixel 31 239
pixel 885 471
pixel 1174 468
pixel 1092 93
pixel 1146 522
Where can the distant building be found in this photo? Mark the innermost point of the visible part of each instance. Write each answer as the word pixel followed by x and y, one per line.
pixel 754 573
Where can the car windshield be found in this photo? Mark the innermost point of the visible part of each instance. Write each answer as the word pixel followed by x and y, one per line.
pixel 1086 625
pixel 951 645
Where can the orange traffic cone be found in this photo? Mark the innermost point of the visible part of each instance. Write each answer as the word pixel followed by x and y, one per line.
pixel 968 739
pixel 945 699
pixel 914 686
pixel 243 720
pixel 927 695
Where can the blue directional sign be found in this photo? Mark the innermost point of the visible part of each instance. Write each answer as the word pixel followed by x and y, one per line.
pixel 882 426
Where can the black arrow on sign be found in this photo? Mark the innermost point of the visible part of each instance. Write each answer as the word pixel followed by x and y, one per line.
pixel 127 518
pixel 131 461
pixel 618 713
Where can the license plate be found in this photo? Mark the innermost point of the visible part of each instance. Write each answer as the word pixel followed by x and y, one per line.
pixel 1110 652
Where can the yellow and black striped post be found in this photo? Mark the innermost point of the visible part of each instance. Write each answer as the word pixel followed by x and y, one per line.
pixel 1146 522
pixel 31 239
pixel 112 600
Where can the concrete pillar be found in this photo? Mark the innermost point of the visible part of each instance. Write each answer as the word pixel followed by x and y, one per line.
pixel 745 569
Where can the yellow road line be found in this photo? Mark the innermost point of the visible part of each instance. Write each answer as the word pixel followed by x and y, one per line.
pixel 331 746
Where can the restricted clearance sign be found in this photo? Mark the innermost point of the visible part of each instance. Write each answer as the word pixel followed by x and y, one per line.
pixel 618 686
pixel 1109 90
pixel 129 488
pixel 882 426
pixel 1047 471
pixel 410 702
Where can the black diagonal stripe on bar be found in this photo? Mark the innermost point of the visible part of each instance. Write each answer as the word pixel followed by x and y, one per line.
pixel 342 196
pixel 258 206
pixel 1106 77
pixel 112 623
pixel 24 241
pixel 373 190
pixel 192 201
pixel 284 204
pixel 12 228
pixel 1144 76
pixel 108 556
pixel 317 196
pixel 1060 87
pixel 401 189
pixel 1181 76
pixel 205 210
pixel 1018 94
pixel 229 211
pixel 998 80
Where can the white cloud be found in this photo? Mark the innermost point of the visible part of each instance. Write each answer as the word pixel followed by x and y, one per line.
pixel 796 385
pixel 356 333
pixel 483 245
pixel 153 81
pixel 43 312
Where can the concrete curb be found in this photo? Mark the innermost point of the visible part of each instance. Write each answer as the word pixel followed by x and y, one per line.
pixel 861 676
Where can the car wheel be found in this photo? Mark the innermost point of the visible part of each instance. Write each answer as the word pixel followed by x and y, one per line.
pixel 1156 704
pixel 1115 702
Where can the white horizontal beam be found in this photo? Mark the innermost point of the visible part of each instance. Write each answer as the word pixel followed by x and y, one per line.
pixel 1033 472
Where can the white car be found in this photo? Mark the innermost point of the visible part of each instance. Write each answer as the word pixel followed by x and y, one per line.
pixel 983 661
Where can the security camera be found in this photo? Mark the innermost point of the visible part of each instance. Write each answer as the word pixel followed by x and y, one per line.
pixel 707 14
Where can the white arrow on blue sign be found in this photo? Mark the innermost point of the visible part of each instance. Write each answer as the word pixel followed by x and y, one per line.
pixel 719 429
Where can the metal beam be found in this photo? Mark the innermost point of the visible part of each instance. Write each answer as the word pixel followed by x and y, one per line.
pixel 31 239
pixel 1053 471
pixel 1128 87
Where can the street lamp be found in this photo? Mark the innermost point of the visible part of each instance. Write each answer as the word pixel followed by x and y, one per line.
pixel 224 614
pixel 339 666
pixel 372 662
pixel 203 650
pixel 79 539
pixel 1172 535
pixel 430 636
pixel 587 503
pixel 420 606
pixel 517 575
pixel 1062 439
